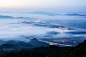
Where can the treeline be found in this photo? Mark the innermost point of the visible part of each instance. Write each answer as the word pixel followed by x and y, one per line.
pixel 51 51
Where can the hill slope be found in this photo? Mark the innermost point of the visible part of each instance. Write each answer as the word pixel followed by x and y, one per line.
pixel 51 51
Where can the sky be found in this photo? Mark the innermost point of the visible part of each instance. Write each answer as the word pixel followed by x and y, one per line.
pixel 41 4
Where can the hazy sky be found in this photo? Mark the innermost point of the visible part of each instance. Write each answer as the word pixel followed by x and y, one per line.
pixel 21 4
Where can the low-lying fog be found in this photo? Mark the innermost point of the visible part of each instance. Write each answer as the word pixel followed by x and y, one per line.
pixel 55 29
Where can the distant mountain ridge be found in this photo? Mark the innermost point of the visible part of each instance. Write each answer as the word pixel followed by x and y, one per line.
pixel 3 17
pixel 10 17
pixel 42 12
pixel 75 14
pixel 18 45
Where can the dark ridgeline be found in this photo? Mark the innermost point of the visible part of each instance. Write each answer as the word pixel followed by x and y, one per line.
pixel 51 51
pixel 18 45
pixel 6 17
pixel 75 14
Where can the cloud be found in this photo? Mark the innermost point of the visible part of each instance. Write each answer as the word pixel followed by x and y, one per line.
pixel 7 12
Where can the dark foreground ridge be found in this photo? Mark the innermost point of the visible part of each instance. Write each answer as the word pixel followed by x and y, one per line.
pixel 51 51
